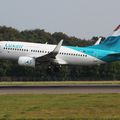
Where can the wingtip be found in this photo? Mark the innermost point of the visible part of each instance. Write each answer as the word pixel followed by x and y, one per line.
pixel 62 40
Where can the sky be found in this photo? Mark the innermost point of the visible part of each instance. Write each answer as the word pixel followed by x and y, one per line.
pixel 79 18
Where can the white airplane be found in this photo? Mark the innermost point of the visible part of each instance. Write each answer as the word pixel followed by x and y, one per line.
pixel 32 54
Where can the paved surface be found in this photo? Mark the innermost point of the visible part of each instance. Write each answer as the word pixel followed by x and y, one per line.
pixel 64 89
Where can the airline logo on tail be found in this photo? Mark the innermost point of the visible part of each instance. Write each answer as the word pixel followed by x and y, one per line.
pixel 117 28
pixel 116 31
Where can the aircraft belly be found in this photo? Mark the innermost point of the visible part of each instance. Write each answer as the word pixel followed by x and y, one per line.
pixel 78 60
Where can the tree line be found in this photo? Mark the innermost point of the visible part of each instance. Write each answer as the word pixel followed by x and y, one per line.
pixel 10 69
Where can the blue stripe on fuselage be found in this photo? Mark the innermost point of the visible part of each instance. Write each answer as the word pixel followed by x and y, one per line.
pixel 99 54
pixel 112 43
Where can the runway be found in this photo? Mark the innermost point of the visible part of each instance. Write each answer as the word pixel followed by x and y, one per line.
pixel 62 89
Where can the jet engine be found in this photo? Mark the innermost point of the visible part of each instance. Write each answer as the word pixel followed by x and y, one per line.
pixel 26 61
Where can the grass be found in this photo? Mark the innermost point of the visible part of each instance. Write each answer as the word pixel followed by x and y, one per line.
pixel 56 83
pixel 60 107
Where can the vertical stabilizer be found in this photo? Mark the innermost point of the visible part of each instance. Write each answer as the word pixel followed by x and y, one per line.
pixel 112 42
pixel 116 31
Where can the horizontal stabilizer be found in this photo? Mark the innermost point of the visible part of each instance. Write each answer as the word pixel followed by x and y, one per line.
pixel 114 55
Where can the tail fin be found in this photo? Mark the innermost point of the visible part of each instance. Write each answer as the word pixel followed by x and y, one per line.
pixel 116 31
pixel 112 42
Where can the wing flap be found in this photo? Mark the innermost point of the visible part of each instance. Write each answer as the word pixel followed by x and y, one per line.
pixel 114 55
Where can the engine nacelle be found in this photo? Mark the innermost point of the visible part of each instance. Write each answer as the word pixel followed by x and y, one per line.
pixel 26 61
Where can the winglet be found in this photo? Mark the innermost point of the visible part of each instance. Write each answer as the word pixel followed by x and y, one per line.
pixel 57 48
pixel 98 41
pixel 51 55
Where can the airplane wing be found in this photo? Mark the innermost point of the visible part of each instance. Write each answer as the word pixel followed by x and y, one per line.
pixel 50 56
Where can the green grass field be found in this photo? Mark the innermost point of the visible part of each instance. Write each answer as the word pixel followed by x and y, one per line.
pixel 60 107
pixel 56 83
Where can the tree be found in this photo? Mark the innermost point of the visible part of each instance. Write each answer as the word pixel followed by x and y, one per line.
pixel 11 68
